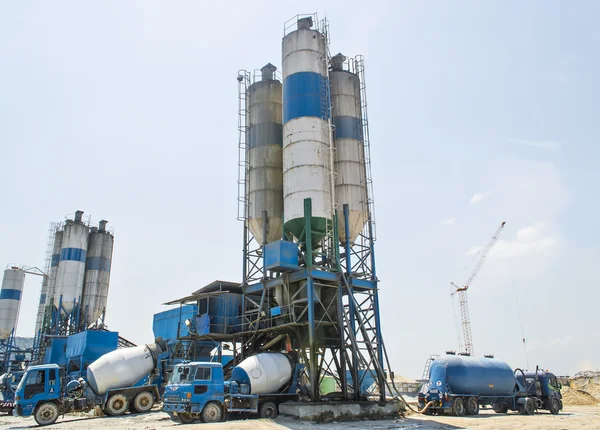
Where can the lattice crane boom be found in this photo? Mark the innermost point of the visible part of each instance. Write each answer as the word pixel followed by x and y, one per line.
pixel 462 292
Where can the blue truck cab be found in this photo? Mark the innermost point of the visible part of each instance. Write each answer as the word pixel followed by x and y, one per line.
pixel 39 393
pixel 198 390
pixel 195 390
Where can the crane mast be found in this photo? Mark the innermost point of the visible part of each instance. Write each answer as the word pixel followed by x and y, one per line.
pixel 462 292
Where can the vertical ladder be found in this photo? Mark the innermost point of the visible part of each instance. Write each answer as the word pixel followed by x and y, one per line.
pixel 243 126
pixel 428 366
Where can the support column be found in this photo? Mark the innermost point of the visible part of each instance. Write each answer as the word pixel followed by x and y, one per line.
pixel 312 350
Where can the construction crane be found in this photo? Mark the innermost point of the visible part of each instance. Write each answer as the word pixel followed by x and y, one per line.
pixel 462 293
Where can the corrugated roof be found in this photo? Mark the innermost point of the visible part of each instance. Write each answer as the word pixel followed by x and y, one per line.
pixel 214 287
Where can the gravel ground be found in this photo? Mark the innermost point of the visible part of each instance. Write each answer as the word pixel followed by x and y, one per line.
pixel 573 417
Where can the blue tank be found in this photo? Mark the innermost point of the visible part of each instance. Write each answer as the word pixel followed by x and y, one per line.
pixel 472 375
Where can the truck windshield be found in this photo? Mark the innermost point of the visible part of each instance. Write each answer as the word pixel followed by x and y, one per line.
pixel 182 375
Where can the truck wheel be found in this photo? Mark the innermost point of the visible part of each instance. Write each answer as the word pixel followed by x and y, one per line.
pixel 116 405
pixel 268 410
pixel 186 418
pixel 46 414
pixel 143 402
pixel 554 407
pixel 472 406
pixel 212 413
pixel 529 406
pixel 458 407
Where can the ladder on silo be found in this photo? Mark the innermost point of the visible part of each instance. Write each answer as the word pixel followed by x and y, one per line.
pixel 428 366
pixel 244 81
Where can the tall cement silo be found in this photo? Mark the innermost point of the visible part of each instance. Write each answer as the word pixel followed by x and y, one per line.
pixel 350 184
pixel 264 155
pixel 10 300
pixel 97 273
pixel 71 267
pixel 306 132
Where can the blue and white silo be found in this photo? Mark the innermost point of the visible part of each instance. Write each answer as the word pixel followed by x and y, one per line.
pixel 97 273
pixel 349 164
pixel 306 132
pixel 264 155
pixel 71 265
pixel 48 290
pixel 10 300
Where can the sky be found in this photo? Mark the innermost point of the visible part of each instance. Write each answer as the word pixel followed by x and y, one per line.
pixel 480 112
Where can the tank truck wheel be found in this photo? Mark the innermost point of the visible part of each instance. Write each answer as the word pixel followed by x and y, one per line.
pixel 472 406
pixel 268 410
pixel 143 402
pixel 186 418
pixel 116 405
pixel 46 414
pixel 554 407
pixel 212 413
pixel 529 406
pixel 458 407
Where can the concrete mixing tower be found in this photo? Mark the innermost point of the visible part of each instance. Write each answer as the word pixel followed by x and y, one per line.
pixel 316 275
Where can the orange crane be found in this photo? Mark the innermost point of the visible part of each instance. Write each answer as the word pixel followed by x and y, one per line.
pixel 462 293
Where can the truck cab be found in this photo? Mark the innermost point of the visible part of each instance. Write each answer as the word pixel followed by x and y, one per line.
pixel 195 390
pixel 39 386
pixel 544 387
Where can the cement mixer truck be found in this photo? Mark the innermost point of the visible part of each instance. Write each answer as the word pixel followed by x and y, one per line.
pixel 114 383
pixel 198 391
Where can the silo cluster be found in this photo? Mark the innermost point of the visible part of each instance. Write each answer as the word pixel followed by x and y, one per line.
pixel 305 140
pixel 79 271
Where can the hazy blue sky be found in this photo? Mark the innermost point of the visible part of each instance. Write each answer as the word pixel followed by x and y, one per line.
pixel 480 112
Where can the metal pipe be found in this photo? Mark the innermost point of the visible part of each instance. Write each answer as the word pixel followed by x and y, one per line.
pixel 342 363
pixel 310 302
pixel 351 300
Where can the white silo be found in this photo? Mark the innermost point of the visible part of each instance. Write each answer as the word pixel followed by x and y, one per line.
pixel 71 267
pixel 10 300
pixel 306 131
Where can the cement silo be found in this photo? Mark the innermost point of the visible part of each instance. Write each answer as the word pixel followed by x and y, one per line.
pixel 97 273
pixel 350 184
pixel 47 293
pixel 264 155
pixel 10 300
pixel 71 267
pixel 306 131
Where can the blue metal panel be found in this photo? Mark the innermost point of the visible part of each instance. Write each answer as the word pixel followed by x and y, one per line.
pixel 42 299
pixel 56 351
pixel 97 263
pixel 73 254
pixel 302 95
pixel 55 260
pixel 7 294
pixel 91 344
pixel 166 323
pixel 367 381
pixel 347 127
pixel 281 256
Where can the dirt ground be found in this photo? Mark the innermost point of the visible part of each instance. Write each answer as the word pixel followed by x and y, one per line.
pixel 573 417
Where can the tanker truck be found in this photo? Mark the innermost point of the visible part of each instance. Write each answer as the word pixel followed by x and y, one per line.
pixel 198 390
pixel 114 383
pixel 461 384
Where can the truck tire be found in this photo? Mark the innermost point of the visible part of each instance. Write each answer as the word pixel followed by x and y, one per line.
pixel 143 402
pixel 46 414
pixel 458 407
pixel 117 405
pixel 554 407
pixel 212 413
pixel 186 418
pixel 529 406
pixel 268 410
pixel 472 406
